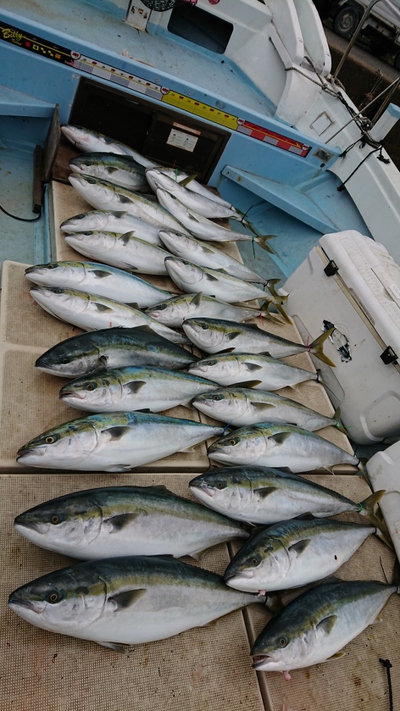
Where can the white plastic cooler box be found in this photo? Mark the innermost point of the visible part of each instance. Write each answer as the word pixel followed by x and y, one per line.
pixel 351 283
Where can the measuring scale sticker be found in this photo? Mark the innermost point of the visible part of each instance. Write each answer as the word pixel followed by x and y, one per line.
pixel 340 341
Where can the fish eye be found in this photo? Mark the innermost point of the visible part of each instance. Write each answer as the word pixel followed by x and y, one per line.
pixel 254 561
pixel 162 307
pixel 91 181
pixel 205 326
pixel 53 597
pixel 91 386
pixel 86 233
pixel 51 266
pixel 233 441
pixel 65 361
pixel 57 290
pixel 211 362
pixel 282 641
pixel 220 485
pixel 55 519
pixel 50 439
pixel 217 397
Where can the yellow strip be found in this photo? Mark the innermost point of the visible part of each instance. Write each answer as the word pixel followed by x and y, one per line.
pixel 197 107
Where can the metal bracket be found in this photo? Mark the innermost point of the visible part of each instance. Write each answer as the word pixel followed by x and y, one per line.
pixel 389 356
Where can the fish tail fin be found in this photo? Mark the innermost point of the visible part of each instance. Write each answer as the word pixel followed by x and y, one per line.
pixel 338 424
pixel 262 241
pixel 367 509
pixel 277 299
pixel 317 345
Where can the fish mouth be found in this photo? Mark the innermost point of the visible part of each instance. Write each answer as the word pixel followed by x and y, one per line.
pixel 19 522
pixel 71 395
pixel 260 661
pixel 36 451
pixel 204 489
pixel 243 575
pixel 21 602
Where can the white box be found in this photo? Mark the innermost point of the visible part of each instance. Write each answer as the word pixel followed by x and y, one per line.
pixel 351 282
pixel 383 473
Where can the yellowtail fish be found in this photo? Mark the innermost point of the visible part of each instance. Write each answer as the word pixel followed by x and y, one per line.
pixel 128 600
pixel 318 624
pixel 98 279
pixel 294 553
pixel 264 495
pixel 246 406
pixel 117 168
pixel 261 371
pixel 115 442
pixel 220 335
pixel 174 311
pixel 112 348
pixel 91 312
pixel 114 221
pixel 91 141
pixel 280 446
pixel 115 521
pixel 133 388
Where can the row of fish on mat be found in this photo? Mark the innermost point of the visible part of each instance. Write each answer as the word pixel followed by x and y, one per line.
pixel 120 436
pixel 126 591
pixel 129 589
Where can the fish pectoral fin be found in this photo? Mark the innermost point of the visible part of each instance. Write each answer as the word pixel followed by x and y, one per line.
pixel 118 432
pixel 197 299
pixel 127 598
pixel 326 625
pixel 189 450
pixel 265 491
pixel 261 405
pixel 134 386
pixel 115 646
pixel 133 305
pixel 100 273
pixel 185 181
pixel 274 603
pixel 249 384
pixel 122 520
pixel 233 335
pixel 102 308
pixel 118 468
pixel 253 366
pixel 280 437
pixel 226 350
pixel 211 277
pixel 300 546
pixel 103 360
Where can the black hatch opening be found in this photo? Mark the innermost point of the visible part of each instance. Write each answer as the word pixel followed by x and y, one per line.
pixel 200 27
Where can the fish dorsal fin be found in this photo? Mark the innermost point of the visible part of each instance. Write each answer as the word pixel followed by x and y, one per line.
pixel 300 546
pixel 122 520
pixel 248 384
pixel 326 625
pixel 185 181
pixel 133 305
pixel 127 598
pixel 280 437
pixel 135 386
pixel 197 299
pixel 265 491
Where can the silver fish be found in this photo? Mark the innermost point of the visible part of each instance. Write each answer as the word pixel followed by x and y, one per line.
pixel 98 279
pixel 318 624
pixel 294 553
pixel 266 496
pixel 116 521
pixel 133 388
pixel 128 600
pixel 101 193
pixel 201 204
pixel 112 348
pixel 114 442
pixel 213 282
pixel 216 335
pixel 118 169
pixel 92 313
pixel 122 251
pixel 173 311
pixel 262 371
pixel 202 227
pixel 113 221
pixel 281 446
pixel 191 183
pixel 205 254
pixel 90 141
pixel 245 406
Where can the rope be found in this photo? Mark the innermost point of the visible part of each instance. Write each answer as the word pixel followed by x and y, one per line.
pixel 386 663
pixel 21 219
